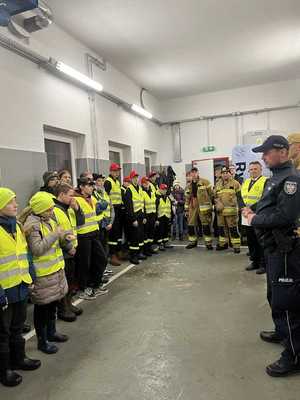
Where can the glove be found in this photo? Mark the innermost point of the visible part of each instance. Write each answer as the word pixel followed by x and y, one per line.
pixel 3 300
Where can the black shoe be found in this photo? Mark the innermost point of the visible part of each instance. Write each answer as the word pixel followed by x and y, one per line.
pixel 67 316
pixel 236 250
pixel 26 328
pixel 220 248
pixel 104 280
pixel 10 378
pixel 261 271
pixel 142 257
pixel 58 338
pixel 148 253
pixel 46 347
pixel 76 310
pixel 162 247
pixel 191 245
pixel 270 337
pixel 252 267
pixel 26 365
pixel 134 260
pixel 283 367
pixel 209 247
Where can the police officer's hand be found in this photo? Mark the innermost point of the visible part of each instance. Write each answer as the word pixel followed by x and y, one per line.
pixel 250 217
pixel 135 224
pixel 246 211
pixel 144 221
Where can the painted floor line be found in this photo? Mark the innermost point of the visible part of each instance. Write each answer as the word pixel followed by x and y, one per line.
pixel 31 334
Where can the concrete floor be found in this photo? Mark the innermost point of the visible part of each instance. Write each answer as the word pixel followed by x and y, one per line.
pixel 181 326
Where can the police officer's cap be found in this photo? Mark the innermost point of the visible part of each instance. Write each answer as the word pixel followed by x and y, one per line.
pixel 272 142
pixel 294 138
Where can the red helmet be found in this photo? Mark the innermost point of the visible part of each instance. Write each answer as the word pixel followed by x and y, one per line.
pixel 144 180
pixel 163 186
pixel 127 179
pixel 133 174
pixel 115 167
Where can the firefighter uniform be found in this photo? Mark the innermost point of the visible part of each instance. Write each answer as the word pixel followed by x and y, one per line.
pixel 134 206
pixel 204 197
pixel 226 197
pixel 191 207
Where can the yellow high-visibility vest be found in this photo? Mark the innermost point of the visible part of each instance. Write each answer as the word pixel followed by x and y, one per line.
pixel 53 260
pixel 150 202
pixel 164 208
pixel 137 198
pixel 106 213
pixel 115 193
pixel 14 266
pixel 253 195
pixel 154 189
pixel 67 222
pixel 91 220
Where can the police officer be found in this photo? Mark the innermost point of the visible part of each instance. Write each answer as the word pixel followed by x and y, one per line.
pixel 275 221
pixel 227 197
pixel 294 151
pixel 252 190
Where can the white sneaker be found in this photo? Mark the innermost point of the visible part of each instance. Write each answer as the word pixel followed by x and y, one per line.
pixel 100 291
pixel 87 294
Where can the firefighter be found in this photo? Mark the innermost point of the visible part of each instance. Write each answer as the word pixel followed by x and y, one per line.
pixel 294 151
pixel 134 207
pixel 204 196
pixel 164 217
pixel 112 187
pixel 150 214
pixel 192 208
pixel 227 196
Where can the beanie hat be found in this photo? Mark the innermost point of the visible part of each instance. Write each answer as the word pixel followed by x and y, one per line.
pixel 6 195
pixel 41 202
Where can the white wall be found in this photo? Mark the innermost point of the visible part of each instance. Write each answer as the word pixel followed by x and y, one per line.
pixel 33 97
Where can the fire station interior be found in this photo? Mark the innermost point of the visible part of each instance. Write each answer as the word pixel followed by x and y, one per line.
pixel 173 94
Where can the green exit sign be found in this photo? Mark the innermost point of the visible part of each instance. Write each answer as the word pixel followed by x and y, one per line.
pixel 207 149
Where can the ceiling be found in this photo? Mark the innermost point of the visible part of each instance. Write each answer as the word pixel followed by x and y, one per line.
pixel 177 48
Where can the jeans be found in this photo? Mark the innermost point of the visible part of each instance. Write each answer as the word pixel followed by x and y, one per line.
pixel 178 224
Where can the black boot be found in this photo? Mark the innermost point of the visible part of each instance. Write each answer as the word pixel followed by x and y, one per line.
pixel 167 245
pixel 64 311
pixel 236 250
pixel 26 328
pixel 270 337
pixel 54 336
pixel 220 248
pixel 7 376
pixel 76 310
pixel 142 256
pixel 191 245
pixel 43 344
pixel 19 360
pixel 283 367
pixel 252 266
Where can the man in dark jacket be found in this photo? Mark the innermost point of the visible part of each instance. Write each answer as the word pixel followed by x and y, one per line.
pixel 276 221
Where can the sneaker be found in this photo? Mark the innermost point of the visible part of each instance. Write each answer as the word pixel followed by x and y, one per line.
pixel 87 294
pixel 108 272
pixel 100 291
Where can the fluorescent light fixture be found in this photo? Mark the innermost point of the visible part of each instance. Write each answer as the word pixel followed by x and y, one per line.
pixel 78 76
pixel 141 111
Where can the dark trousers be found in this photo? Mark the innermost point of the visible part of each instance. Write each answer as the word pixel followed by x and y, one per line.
pixel 70 272
pixel 149 229
pixel 164 230
pixel 136 235
pixel 287 323
pixel 11 326
pixel 43 314
pixel 91 261
pixel 255 250
pixel 103 236
pixel 115 234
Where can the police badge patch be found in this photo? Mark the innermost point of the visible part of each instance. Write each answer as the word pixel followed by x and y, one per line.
pixel 290 187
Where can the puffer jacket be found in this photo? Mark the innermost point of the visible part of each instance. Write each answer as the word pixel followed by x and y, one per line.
pixel 53 287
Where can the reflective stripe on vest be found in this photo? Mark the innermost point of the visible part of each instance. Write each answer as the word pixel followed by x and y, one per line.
pixel 115 194
pixel 14 266
pixel 137 198
pixel 53 260
pixel 91 222
pixel 65 221
pixel 150 202
pixel 253 195
pixel 164 208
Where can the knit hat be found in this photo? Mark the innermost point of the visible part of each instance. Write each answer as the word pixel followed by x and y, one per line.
pixel 6 195
pixel 41 202
pixel 48 175
pixel 176 183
